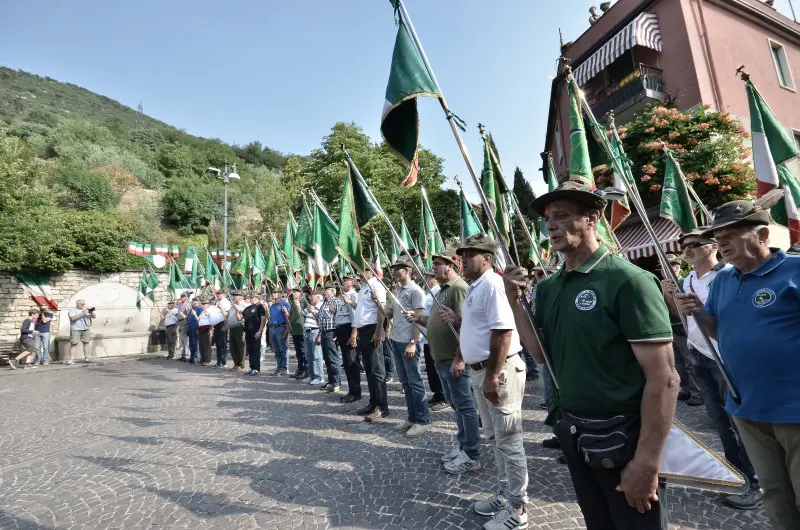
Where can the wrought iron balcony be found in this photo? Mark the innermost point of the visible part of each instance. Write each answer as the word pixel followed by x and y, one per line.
pixel 642 85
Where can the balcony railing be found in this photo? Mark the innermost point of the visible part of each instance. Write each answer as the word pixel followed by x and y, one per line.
pixel 645 81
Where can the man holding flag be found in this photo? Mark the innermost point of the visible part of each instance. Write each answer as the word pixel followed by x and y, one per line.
pixel 606 328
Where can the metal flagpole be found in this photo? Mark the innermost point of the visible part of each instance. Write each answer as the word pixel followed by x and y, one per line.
pixel 633 191
pixel 399 241
pixel 463 148
pixel 693 193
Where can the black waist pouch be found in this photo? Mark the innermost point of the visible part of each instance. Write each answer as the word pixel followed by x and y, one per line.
pixel 604 442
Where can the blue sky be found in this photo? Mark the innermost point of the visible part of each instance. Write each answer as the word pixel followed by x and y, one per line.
pixel 283 72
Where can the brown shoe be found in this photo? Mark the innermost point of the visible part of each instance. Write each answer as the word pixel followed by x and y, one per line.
pixel 236 369
pixel 376 415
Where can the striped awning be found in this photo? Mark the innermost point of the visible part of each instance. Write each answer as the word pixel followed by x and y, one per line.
pixel 641 31
pixel 636 243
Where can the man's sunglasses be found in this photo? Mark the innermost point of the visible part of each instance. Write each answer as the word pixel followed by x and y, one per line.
pixel 695 244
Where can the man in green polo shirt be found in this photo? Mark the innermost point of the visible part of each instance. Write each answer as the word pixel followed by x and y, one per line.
pixel 453 372
pixel 296 328
pixel 606 329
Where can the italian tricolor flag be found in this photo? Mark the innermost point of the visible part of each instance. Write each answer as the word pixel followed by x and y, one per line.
pixel 37 287
pixel 773 151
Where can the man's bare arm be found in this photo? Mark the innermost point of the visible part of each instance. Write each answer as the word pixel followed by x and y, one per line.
pixel 499 343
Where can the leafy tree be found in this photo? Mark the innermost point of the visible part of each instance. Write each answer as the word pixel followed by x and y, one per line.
pixel 176 161
pixel 190 205
pixel 524 193
pixel 87 190
pixel 709 146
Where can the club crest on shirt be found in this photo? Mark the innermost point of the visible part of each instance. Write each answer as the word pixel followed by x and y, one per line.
pixel 469 302
pixel 586 300
pixel 764 297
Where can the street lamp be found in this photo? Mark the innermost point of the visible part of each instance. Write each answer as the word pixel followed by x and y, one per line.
pixel 225 176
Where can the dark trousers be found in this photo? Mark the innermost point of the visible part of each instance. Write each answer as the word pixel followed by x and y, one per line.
pixel 172 339
pixel 331 356
pixel 714 391
pixel 350 357
pixel 434 382
pixel 374 367
pixel 604 507
pixel 194 347
pixel 221 342
pixel 388 357
pixel 236 342
pixel 204 338
pixel 253 350
pixel 683 363
pixel 300 352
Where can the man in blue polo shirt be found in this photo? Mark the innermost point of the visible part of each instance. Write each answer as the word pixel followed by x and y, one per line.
pixel 753 310
pixel 278 332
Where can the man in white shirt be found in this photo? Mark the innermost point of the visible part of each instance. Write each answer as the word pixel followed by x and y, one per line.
pixel 701 253
pixel 236 330
pixel 184 307
pixel 80 323
pixel 366 333
pixel 490 345
pixel 221 331
pixel 404 340
pixel 171 328
pixel 344 326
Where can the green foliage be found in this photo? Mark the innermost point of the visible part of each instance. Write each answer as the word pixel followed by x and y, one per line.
pixel 257 155
pixel 101 239
pixel 709 146
pixel 190 205
pixel 86 190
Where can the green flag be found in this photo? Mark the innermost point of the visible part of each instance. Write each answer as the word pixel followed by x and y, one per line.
pixel 191 265
pixel 259 266
pixel 293 257
pixel 147 284
pixel 408 79
pixel 302 238
pixel 271 266
pixel 325 235
pixel 244 264
pixel 580 166
pixel 378 254
pixel 675 203
pixel 349 238
pixel 177 281
pixel 470 225
pixel 491 189
pixel 430 241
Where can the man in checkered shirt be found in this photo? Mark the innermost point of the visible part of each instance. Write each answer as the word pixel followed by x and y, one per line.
pixel 327 327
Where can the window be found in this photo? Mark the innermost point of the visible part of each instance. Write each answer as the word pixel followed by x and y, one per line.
pixel 781 64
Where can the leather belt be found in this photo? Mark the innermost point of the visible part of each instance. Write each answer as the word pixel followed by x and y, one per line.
pixel 483 364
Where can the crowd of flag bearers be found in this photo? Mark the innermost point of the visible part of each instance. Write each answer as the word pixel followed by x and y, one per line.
pixel 602 329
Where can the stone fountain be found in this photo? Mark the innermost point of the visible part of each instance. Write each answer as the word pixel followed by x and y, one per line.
pixel 120 327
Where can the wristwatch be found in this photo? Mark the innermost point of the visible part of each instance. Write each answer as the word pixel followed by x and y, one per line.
pixel 413 341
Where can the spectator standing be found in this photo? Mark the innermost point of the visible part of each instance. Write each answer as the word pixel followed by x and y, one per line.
pixel 221 330
pixel 171 328
pixel 313 341
pixel 255 321
pixel 344 324
pixel 366 334
pixel 80 324
pixel 184 307
pixel 42 335
pixel 437 401
pixel 331 306
pixel 236 331
pixel 193 330
pixel 27 343
pixel 204 332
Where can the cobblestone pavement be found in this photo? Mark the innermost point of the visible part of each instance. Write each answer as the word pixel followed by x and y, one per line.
pixel 150 442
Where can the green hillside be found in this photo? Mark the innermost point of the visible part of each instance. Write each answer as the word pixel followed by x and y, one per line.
pixel 81 175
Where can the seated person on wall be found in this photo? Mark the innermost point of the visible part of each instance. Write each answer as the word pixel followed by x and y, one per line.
pixel 27 342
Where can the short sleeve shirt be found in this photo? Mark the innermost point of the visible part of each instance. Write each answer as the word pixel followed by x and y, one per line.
pixel 366 312
pixel 428 306
pixel 80 324
pixel 232 316
pixel 409 297
pixel 296 317
pixel 276 316
pixel 700 287
pixel 589 317
pixel 486 308
pixel 758 326
pixel 443 343
pixel 252 318
pixel 344 311
pixel 42 327
pixel 192 322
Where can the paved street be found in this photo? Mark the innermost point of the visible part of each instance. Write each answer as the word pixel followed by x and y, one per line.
pixel 150 442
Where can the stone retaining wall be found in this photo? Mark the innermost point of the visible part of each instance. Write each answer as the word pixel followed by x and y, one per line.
pixel 14 304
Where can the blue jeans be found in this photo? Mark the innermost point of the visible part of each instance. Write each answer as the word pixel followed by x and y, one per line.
pixel 279 346
pixel 313 354
pixel 409 371
pixel 42 341
pixel 547 383
pixel 194 345
pixel 331 356
pixel 714 391
pixel 458 394
pixel 530 364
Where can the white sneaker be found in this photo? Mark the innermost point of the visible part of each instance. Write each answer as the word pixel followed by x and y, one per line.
pixel 315 382
pixel 507 519
pixel 462 464
pixel 452 455
pixel 489 506
pixel 418 429
pixel 402 427
pixel 306 380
